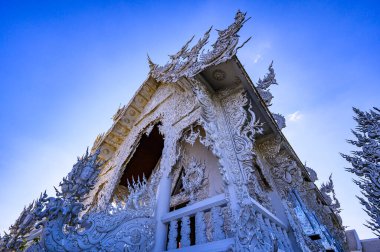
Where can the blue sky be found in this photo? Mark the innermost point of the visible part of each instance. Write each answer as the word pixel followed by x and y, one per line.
pixel 66 66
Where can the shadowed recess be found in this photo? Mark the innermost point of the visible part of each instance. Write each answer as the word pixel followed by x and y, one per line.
pixel 145 158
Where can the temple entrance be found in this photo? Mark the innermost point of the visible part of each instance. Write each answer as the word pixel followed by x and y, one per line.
pixel 197 195
pixel 143 162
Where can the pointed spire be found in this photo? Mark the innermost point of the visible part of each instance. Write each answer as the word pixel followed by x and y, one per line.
pixel 188 63
pixel 152 66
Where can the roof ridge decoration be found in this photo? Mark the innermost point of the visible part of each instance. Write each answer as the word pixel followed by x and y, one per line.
pixel 264 91
pixel 328 193
pixel 189 62
pixel 264 84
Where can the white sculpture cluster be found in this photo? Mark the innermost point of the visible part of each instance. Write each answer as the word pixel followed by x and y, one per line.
pixel 366 163
pixel 243 215
pixel 54 223
pixel 189 62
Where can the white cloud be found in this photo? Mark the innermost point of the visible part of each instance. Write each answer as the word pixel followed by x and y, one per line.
pixel 296 116
pixel 258 57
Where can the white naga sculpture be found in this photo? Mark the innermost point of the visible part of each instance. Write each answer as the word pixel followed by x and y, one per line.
pixel 197 162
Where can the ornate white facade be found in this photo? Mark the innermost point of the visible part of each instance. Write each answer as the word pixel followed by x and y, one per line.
pixel 197 162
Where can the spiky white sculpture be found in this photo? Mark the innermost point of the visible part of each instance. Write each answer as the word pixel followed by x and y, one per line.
pixel 366 163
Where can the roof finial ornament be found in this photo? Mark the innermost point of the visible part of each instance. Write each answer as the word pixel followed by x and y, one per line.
pixel 152 66
pixel 182 51
pixel 189 62
pixel 263 85
pixel 328 193
pixel 264 91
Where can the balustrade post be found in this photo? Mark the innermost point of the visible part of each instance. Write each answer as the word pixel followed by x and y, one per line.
pixel 200 228
pixel 284 237
pixel 262 225
pixel 163 194
pixel 217 224
pixel 173 232
pixel 269 226
pixel 288 240
pixel 279 236
pixel 185 231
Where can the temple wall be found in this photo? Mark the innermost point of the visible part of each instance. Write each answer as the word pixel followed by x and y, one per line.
pixel 229 127
pixel 215 181
pixel 160 108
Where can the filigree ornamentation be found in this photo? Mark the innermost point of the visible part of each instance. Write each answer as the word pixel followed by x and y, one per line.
pixel 225 123
pixel 284 168
pixel 158 109
pixel 191 136
pixel 271 147
pixel 189 62
pixel 141 196
pixel 60 228
pixel 185 231
pixel 251 236
pixel 217 224
pixel 263 85
pixel 219 75
pixel 328 193
pixel 313 175
pixel 193 177
pixel 172 243
pixel 120 111
pixel 200 227
pixel 280 120
pixel 287 175
pixel 97 142
pixel 194 180
pixel 287 169
pixel 328 219
pixel 244 127
pixel 264 91
pixel 311 225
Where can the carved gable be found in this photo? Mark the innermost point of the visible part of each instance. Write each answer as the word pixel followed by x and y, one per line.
pixel 196 160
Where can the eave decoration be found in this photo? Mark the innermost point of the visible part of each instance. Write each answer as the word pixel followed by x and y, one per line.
pixel 189 62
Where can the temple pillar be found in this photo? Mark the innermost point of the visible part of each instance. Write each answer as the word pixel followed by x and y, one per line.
pixel 163 203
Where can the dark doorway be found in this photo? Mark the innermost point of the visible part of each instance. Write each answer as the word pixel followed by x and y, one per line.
pixel 145 158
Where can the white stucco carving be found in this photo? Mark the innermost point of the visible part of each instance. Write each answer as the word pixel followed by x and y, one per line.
pixel 213 186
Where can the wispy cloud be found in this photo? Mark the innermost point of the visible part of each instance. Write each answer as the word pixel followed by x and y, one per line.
pixel 294 117
pixel 258 57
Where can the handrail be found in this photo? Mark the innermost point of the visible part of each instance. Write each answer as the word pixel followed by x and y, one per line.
pixel 203 205
pixel 268 214
pixel 217 200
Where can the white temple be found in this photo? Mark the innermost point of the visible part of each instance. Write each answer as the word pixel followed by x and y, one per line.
pixel 195 162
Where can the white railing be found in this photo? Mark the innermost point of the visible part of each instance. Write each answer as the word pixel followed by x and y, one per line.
pixel 275 226
pixel 213 237
pixel 180 230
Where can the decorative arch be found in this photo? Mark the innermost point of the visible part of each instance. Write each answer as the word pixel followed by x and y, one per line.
pixel 144 160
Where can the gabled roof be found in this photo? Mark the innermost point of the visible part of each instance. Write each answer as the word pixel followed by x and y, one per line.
pixel 185 63
pixel 123 121
pixel 188 63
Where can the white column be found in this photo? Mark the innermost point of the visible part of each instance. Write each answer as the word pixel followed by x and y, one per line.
pixel 173 232
pixel 217 224
pixel 185 232
pixel 163 203
pixel 200 228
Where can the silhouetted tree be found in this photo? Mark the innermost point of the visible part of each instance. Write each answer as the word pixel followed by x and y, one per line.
pixel 366 163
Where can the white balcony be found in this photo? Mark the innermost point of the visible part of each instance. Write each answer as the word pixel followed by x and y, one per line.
pixel 203 226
